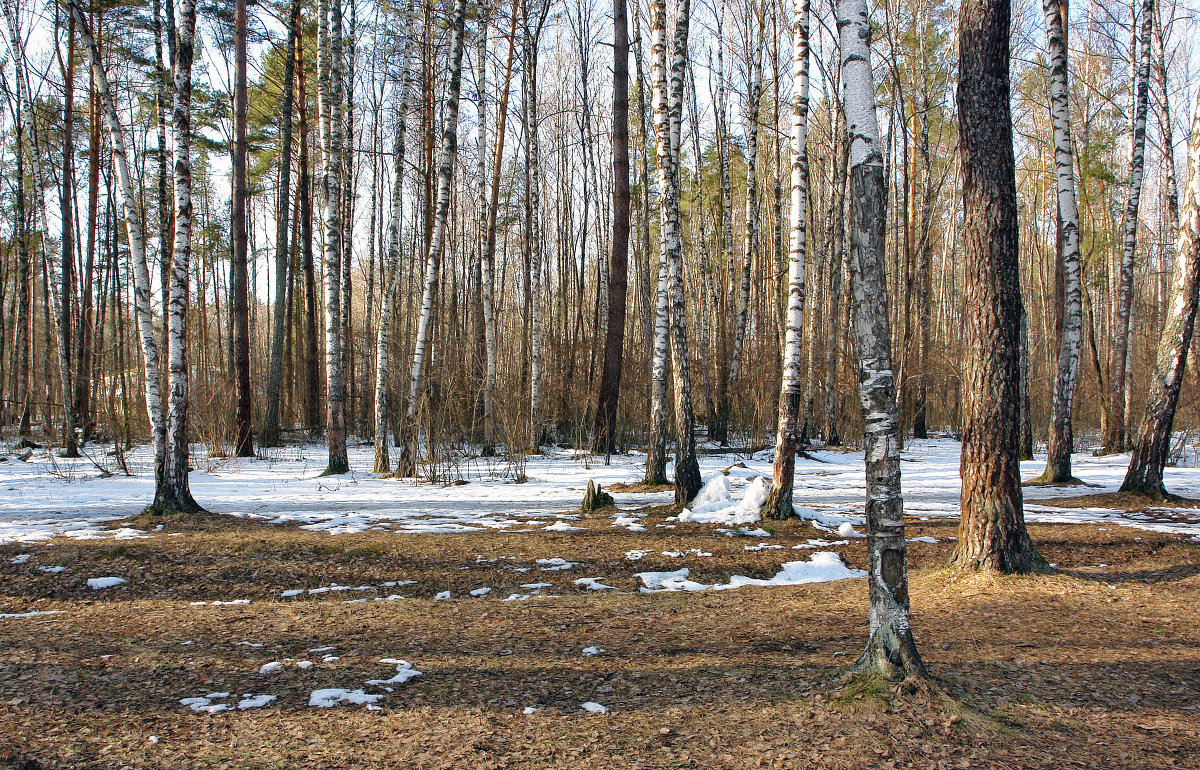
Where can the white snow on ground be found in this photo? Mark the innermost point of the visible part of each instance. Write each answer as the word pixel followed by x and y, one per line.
pixel 251 701
pixel 5 615
pixel 404 672
pixel 100 583
pixel 333 696
pixel 55 496
pixel 823 567
pixel 593 707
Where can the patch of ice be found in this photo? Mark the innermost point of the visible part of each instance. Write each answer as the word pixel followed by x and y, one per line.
pixel 100 583
pixel 333 696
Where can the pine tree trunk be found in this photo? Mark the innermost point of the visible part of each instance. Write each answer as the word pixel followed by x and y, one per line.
pixel 779 501
pixel 1115 434
pixel 66 345
pixel 239 279
pixel 270 433
pixel 445 177
pixel 991 534
pixel 604 434
pixel 174 495
pixel 890 651
pixel 1061 442
pixel 1153 443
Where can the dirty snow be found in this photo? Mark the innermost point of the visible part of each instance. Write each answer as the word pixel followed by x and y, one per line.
pixel 100 583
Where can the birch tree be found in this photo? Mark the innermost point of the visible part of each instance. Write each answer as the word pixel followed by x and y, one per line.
pixel 1153 443
pixel 1061 440
pixel 992 532
pixel 779 501
pixel 449 152
pixel 330 84
pixel 890 651
pixel 1115 434
pixel 668 113
pixel 174 495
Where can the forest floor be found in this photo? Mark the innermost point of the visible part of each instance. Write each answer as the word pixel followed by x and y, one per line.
pixel 1095 665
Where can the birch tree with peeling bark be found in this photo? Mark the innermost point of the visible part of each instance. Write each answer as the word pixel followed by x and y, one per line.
pixel 330 83
pixel 779 501
pixel 1116 432
pixel 891 651
pixel 1062 440
pixel 1153 443
pixel 445 178
pixel 174 494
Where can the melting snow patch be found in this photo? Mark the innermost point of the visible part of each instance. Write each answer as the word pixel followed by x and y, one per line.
pixel 271 668
pixel 529 710
pixel 20 558
pixel 925 539
pixel 304 664
pixel 442 595
pixel 688 552
pixel 762 547
pixel 53 570
pixel 554 565
pixel 824 566
pixel 404 672
pixel 846 529
pixel 594 707
pixel 592 650
pixel 481 591
pixel 292 592
pixel 334 696
pixel 97 584
pixel 715 505
pixel 637 554
pixel 561 526
pixel 205 703
pixel 4 615
pixel 593 584
pixel 536 586
pixel 251 701
pixel 516 597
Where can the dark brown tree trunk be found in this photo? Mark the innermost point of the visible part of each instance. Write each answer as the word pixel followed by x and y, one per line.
pixel 992 534
pixel 603 438
pixel 239 282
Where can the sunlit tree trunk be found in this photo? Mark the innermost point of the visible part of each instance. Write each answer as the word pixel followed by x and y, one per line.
pixel 779 501
pixel 1115 434
pixel 890 651
pixel 1153 443
pixel 408 448
pixel 991 533
pixel 174 495
pixel 239 278
pixel 1061 441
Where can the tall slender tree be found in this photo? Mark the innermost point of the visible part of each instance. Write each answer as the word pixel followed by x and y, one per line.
pixel 779 501
pixel 891 650
pixel 239 277
pixel 992 532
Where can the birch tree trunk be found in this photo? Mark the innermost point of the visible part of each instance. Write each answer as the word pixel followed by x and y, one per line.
pixel 604 434
pixel 174 494
pixel 779 501
pixel 391 281
pixel 668 113
pixel 489 252
pixel 992 534
pixel 533 235
pixel 656 445
pixel 1116 432
pixel 1149 458
pixel 270 433
pixel 330 82
pixel 890 651
pixel 135 233
pixel 1061 440
pixel 408 432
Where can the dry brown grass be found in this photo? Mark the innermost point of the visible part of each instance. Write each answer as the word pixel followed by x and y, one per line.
pixel 1088 667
